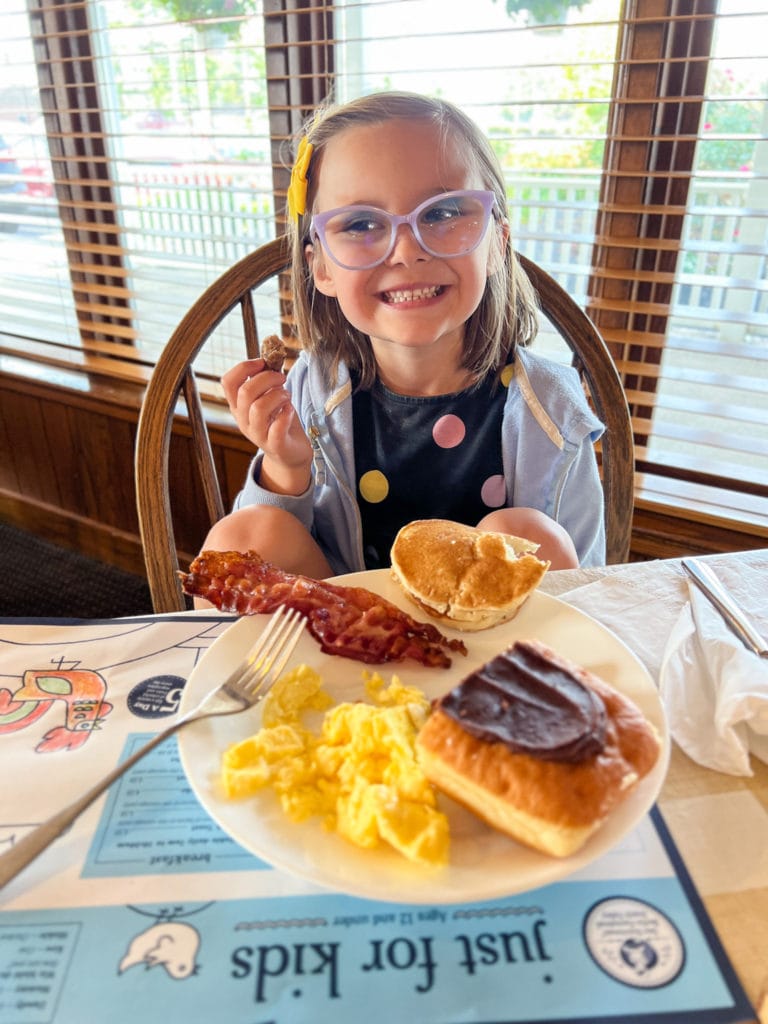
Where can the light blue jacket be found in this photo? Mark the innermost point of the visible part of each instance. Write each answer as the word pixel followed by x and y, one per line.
pixel 549 462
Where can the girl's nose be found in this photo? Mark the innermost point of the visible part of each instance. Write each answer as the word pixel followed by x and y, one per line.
pixel 407 248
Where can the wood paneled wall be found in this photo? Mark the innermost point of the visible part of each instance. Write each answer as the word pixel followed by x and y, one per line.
pixel 66 474
pixel 66 468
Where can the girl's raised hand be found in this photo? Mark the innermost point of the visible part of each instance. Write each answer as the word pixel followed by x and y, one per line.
pixel 264 414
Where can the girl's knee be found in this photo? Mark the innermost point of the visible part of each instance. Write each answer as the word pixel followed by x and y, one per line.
pixel 275 534
pixel 555 544
pixel 242 529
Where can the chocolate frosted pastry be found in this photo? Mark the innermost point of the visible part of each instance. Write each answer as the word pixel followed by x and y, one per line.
pixel 273 352
pixel 538 747
pixel 532 705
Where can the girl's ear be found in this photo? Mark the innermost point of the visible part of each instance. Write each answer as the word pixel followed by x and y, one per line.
pixel 498 247
pixel 323 280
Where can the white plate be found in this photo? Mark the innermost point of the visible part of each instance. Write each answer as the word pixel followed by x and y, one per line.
pixel 484 864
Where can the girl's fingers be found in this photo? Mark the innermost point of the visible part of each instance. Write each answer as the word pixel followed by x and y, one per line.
pixel 283 411
pixel 238 374
pixel 260 403
pixel 266 405
pixel 262 394
pixel 241 387
pixel 257 419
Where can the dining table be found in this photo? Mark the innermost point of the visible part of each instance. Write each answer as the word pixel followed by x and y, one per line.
pixel 147 909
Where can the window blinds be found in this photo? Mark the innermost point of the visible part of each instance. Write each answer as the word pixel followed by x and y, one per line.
pixel 633 138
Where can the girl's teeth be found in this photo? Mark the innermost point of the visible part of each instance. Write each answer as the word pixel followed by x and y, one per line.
pixel 410 296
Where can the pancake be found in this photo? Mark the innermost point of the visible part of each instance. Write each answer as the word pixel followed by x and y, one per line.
pixel 464 577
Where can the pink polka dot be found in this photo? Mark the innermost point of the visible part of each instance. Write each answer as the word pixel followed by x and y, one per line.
pixel 448 431
pixel 493 492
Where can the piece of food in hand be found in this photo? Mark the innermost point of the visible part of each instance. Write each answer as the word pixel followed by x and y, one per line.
pixel 358 772
pixel 537 746
pixel 467 578
pixel 350 621
pixel 273 352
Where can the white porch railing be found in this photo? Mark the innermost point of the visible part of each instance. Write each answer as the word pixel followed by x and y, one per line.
pixel 221 214
pixel 725 248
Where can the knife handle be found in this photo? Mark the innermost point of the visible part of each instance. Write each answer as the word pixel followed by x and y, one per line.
pixel 733 614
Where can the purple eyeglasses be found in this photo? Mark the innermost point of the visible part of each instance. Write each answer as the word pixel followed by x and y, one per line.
pixel 447 225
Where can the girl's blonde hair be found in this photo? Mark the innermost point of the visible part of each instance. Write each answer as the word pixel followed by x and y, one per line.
pixel 507 313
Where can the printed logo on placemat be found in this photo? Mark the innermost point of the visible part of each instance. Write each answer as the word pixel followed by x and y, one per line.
pixel 634 942
pixel 156 697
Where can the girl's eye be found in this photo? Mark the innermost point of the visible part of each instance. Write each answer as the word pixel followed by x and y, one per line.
pixel 359 224
pixel 445 210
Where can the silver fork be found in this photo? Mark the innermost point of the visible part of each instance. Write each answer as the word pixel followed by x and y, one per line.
pixel 246 686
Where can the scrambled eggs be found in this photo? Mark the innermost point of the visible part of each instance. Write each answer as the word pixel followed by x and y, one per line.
pixel 359 773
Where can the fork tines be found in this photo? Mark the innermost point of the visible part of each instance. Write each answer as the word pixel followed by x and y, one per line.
pixel 269 655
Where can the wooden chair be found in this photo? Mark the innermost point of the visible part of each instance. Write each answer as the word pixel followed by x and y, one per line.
pixel 173 377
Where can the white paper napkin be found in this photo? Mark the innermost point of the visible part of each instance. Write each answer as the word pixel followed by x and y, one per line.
pixel 639 607
pixel 714 689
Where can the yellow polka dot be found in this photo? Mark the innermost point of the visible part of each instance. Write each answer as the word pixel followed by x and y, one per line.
pixel 507 374
pixel 374 486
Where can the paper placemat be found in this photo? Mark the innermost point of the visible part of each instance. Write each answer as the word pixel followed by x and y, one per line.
pixel 153 914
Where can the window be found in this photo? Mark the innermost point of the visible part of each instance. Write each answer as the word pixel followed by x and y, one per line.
pixel 633 137
pixel 159 175
pixel 35 295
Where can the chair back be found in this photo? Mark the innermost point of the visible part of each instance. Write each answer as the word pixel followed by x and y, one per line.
pixel 592 359
pixel 173 377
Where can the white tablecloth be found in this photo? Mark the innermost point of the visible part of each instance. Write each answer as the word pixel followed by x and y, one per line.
pixel 642 601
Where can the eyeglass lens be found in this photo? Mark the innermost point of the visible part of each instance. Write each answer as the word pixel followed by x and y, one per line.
pixel 450 225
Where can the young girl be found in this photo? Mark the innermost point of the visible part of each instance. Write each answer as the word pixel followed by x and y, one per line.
pixel 414 396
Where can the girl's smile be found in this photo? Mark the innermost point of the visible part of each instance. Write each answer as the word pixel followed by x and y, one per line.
pixel 416 294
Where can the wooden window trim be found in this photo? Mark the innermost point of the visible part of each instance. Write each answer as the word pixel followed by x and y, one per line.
pixel 658 92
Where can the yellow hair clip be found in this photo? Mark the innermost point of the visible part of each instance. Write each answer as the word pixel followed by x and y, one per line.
pixel 297 190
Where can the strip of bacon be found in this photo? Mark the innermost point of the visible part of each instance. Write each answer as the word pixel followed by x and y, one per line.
pixel 350 621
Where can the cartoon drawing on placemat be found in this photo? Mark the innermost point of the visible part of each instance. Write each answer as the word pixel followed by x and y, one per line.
pixel 169 943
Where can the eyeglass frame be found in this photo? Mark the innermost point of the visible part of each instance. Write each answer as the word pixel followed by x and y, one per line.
pixel 319 220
